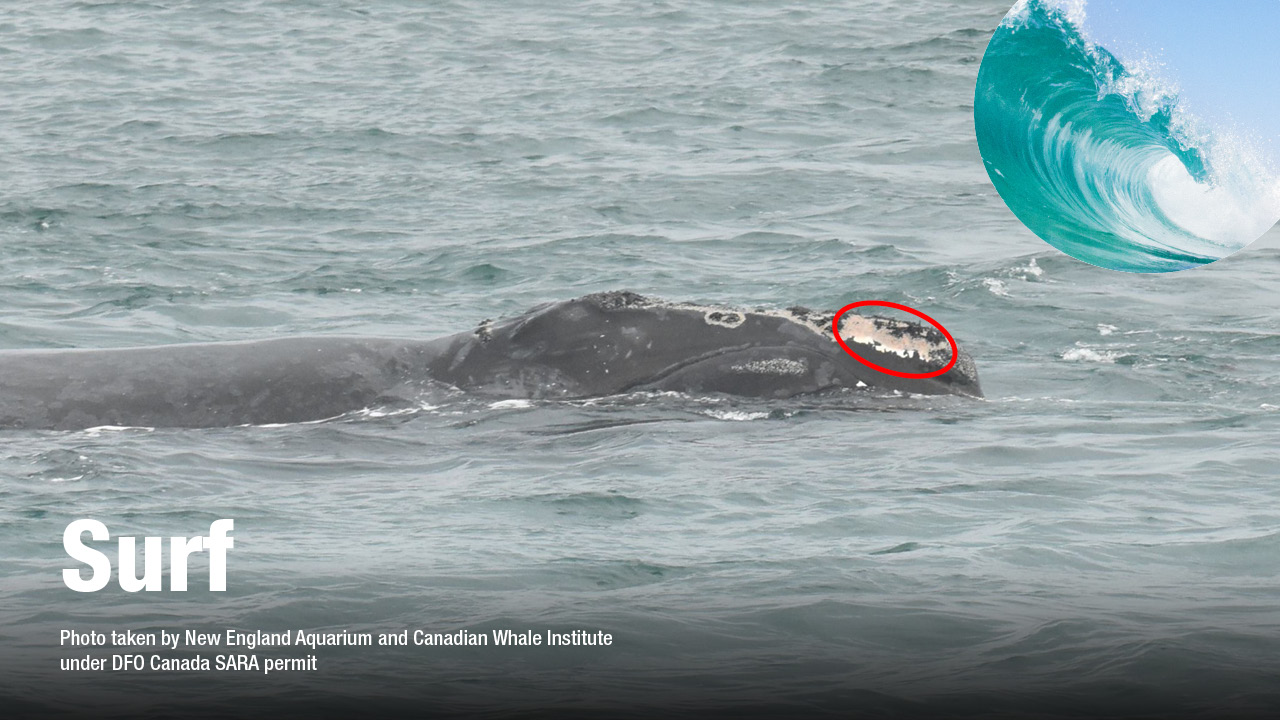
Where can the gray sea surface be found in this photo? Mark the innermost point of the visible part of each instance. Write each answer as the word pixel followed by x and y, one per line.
pixel 1101 535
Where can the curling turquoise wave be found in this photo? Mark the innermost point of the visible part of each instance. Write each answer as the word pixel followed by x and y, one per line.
pixel 1101 161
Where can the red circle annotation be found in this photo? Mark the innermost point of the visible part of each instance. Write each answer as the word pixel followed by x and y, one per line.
pixel 835 327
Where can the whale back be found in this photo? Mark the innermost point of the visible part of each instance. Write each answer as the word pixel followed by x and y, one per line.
pixel 202 384
pixel 602 344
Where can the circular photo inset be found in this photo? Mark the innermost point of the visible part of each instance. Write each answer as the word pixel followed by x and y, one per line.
pixel 1136 135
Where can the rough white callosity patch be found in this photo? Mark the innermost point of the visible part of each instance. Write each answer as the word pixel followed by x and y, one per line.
pixel 724 318
pixel 775 366
pixel 903 339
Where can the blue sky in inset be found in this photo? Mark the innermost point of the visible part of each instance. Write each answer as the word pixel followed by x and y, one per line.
pixel 1225 56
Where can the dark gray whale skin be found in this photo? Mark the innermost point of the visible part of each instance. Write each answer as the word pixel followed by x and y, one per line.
pixel 598 345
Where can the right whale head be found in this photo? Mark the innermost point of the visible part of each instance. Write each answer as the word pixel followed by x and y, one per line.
pixel 908 347
pixel 610 343
pixel 781 353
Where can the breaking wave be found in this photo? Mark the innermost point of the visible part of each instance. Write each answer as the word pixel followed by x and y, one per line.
pixel 1101 160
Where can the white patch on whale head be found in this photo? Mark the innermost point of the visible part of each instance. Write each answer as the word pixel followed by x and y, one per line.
pixel 774 366
pixel 724 318
pixel 898 337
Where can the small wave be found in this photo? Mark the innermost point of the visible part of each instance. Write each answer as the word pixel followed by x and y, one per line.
pixel 996 287
pixel 737 415
pixel 382 412
pixel 1101 160
pixel 99 430
pixel 510 404
pixel 1030 270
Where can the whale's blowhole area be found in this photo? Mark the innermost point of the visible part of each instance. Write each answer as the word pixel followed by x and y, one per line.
pixel 904 338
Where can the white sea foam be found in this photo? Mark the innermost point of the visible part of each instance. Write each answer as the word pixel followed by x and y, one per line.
pixel 510 404
pixel 736 415
pixel 1232 211
pixel 996 287
pixel 102 429
pixel 1084 354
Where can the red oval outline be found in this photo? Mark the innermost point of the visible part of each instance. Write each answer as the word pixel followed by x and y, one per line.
pixel 835 328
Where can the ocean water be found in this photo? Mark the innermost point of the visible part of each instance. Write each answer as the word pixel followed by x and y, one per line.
pixel 1101 158
pixel 1100 536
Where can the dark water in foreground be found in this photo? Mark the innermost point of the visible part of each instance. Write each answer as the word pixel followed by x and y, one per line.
pixel 1099 536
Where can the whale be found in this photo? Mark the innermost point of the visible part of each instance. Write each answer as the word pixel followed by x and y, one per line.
pixel 598 345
